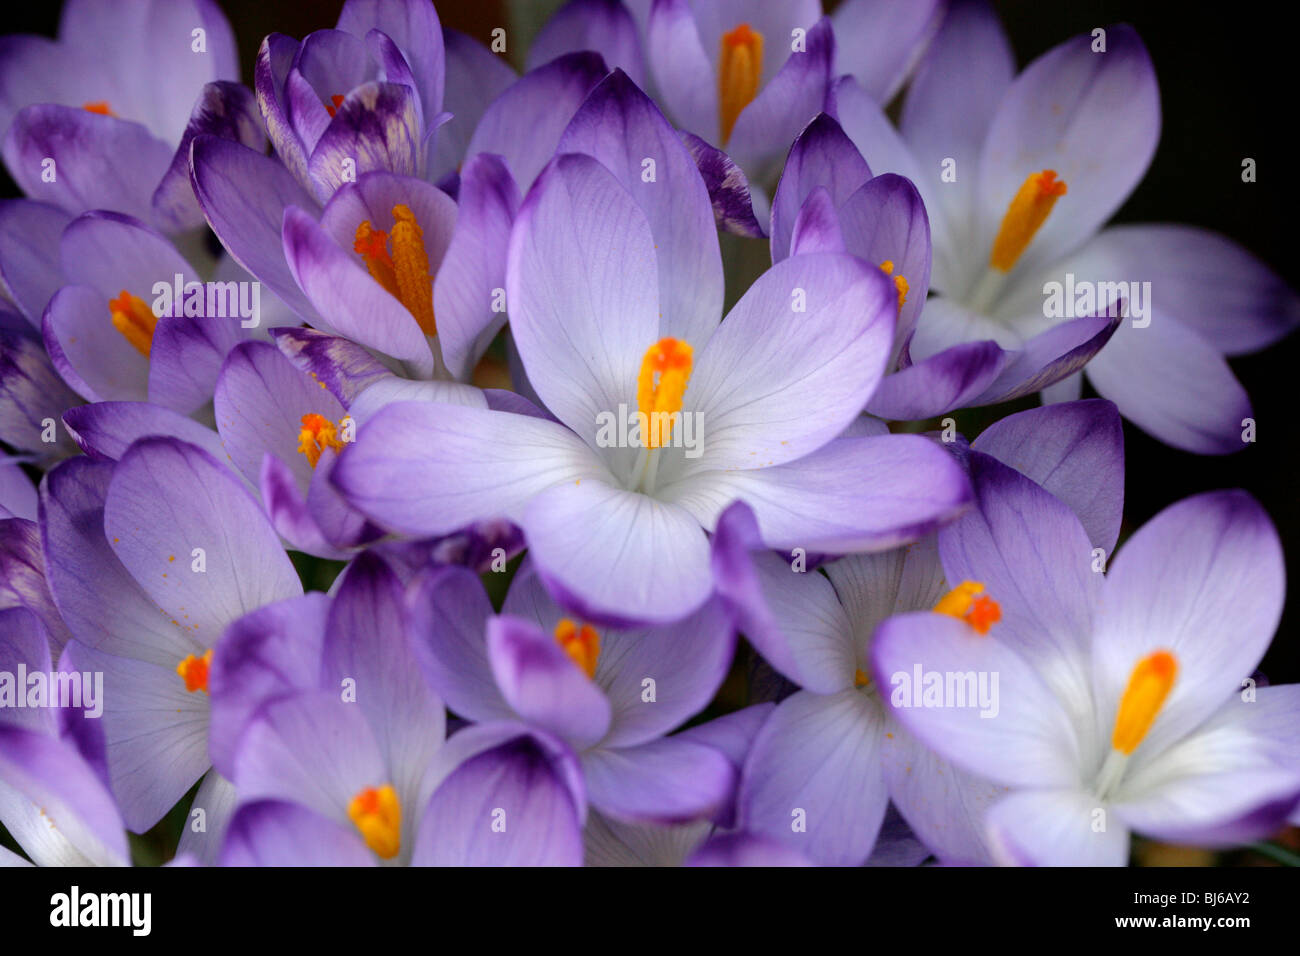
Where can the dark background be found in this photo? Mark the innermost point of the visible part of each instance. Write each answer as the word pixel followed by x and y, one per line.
pixel 1226 93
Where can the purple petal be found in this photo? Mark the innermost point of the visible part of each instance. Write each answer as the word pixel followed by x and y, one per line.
pixel 244 195
pixel 823 157
pixel 23 577
pixel 475 77
pixel 31 396
pixel 276 833
pixel 745 849
pixel 100 162
pixel 1076 451
pixel 377 127
pixel 413 25
pixel 224 109
pixel 266 654
pixel 523 124
pixel 942 382
pixel 105 430
pixel 29 254
pixel 343 367
pixel 510 803
pixel 474 267
pixel 542 684
pixel 729 191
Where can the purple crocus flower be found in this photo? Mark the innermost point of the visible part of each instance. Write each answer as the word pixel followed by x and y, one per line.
pixel 390 263
pixel 828 200
pixel 1019 175
pixel 335 743
pixel 773 386
pixel 610 694
pixel 146 573
pixel 831 757
pixel 1123 700
pixel 54 795
pixel 90 127
pixel 17 493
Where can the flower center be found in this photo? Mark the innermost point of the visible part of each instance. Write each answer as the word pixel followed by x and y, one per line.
pixel 398 262
pixel 1026 214
pixel 660 385
pixel 582 644
pixel 194 671
pixel 377 814
pixel 98 106
pixel 1148 686
pixel 739 68
pixel 134 319
pixel 317 434
pixel 900 283
pixel 335 102
pixel 969 602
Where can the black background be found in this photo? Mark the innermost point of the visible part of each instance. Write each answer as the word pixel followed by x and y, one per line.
pixel 1227 92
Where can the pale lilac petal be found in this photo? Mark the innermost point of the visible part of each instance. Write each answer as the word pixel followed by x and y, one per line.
pixel 683 69
pixel 392 474
pixel 616 556
pixel 1056 828
pixel 29 254
pixel 581 251
pixel 665 781
pixel 620 126
pixel 1174 385
pixel 166 500
pixel 813 781
pixel 879 40
pixel 1026 739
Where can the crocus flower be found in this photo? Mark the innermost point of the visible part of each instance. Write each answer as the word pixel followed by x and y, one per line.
pixel 144 568
pixel 620 531
pixel 90 127
pixel 1019 174
pixel 22 577
pixel 389 263
pixel 610 694
pixel 828 199
pixel 54 795
pixel 1125 702
pixel 112 336
pixel 832 754
pixel 335 743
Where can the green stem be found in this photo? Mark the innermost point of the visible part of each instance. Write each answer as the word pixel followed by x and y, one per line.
pixel 1276 853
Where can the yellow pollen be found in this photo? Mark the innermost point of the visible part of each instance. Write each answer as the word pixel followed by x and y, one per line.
pixel 665 370
pixel 739 69
pixel 1148 686
pixel 135 320
pixel 194 671
pixel 969 603
pixel 404 271
pixel 900 283
pixel 861 678
pixel 1027 212
pixel 582 644
pixel 317 434
pixel 333 105
pixel 378 816
pixel 98 106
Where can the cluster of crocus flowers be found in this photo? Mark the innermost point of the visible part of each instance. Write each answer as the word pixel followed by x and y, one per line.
pixel 446 554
